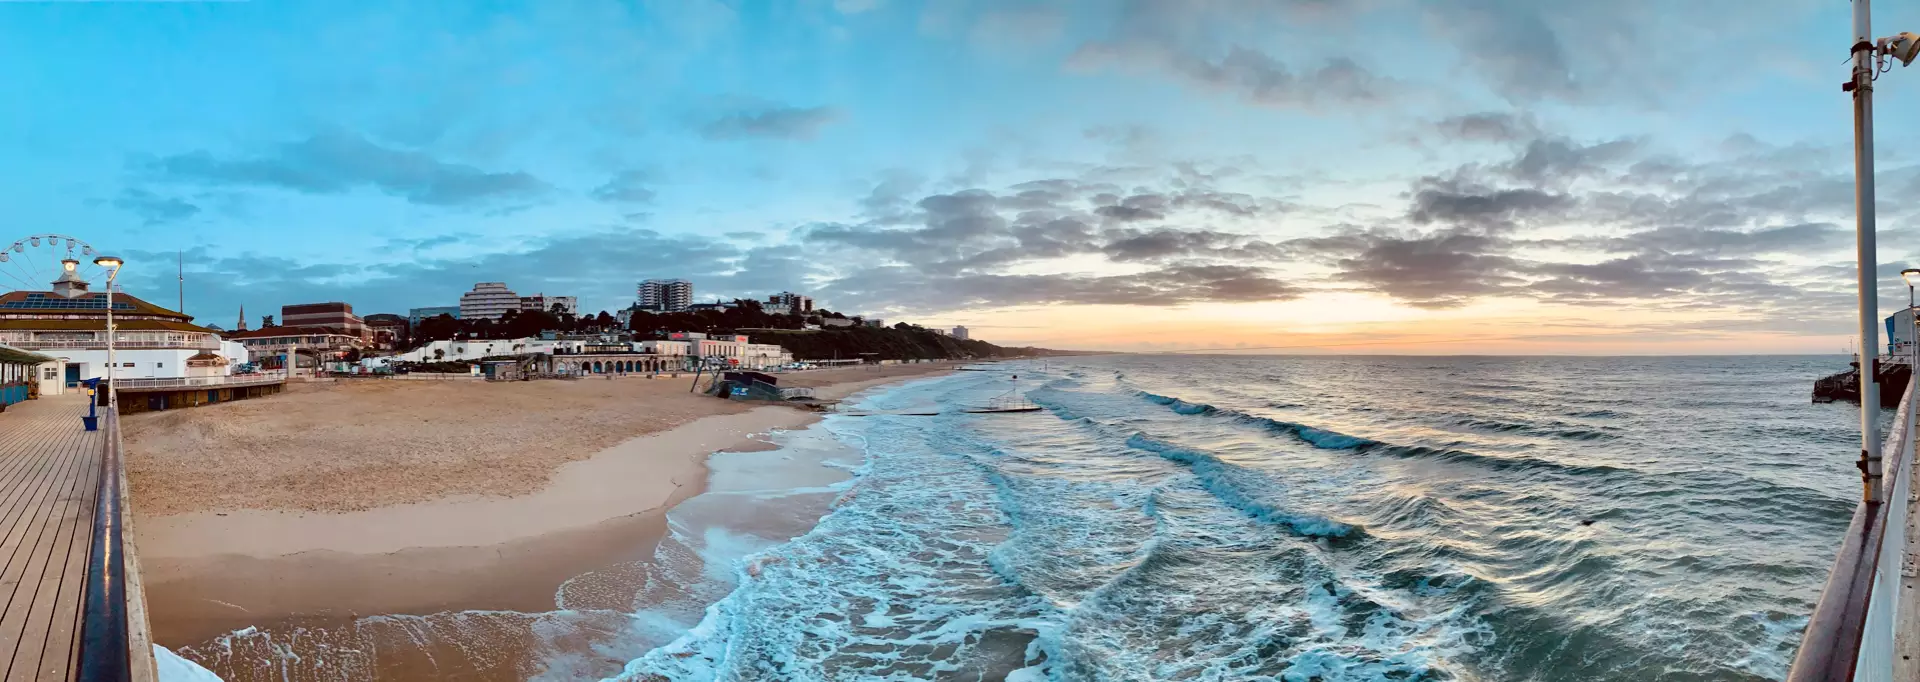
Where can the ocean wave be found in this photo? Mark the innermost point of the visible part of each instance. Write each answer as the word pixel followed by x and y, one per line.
pixel 1317 437
pixel 1516 463
pixel 1553 429
pixel 1333 440
pixel 1217 477
pixel 1597 414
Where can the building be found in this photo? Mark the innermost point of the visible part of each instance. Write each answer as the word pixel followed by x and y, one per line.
pixel 941 332
pixel 673 348
pixel 488 301
pixel 334 314
pixel 415 315
pixel 69 323
pixel 388 331
pixel 665 295
pixel 271 344
pixel 716 306
pixel 789 303
pixel 960 333
pixel 21 376
pixel 874 322
pixel 733 350
pixel 568 304
pixel 836 322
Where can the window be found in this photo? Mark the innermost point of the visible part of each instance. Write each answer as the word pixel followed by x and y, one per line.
pixel 126 364
pixel 50 374
pixel 159 365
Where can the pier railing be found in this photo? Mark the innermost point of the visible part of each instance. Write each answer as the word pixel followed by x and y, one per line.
pixel 115 643
pixel 1852 633
pixel 202 382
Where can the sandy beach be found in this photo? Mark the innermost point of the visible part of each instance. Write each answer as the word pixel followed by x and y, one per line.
pixel 339 500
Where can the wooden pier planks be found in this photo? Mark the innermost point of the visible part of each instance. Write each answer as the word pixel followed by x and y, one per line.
pixel 49 477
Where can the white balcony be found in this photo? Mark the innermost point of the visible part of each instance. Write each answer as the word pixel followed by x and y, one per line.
pixel 122 345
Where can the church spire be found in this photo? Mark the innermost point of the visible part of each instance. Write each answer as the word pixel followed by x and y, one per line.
pixel 242 326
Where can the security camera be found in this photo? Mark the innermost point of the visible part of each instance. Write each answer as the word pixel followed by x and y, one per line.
pixel 1904 47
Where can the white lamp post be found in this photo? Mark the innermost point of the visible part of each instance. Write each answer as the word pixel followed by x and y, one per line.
pixel 1869 60
pixel 112 264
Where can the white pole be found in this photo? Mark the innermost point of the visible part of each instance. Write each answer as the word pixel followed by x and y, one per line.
pixel 113 387
pixel 1863 68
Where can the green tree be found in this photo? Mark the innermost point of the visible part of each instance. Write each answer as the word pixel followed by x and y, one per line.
pixel 440 327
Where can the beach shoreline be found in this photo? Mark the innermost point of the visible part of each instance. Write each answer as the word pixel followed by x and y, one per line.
pixel 213 571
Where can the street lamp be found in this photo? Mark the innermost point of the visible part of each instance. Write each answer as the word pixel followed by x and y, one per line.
pixel 1870 59
pixel 112 264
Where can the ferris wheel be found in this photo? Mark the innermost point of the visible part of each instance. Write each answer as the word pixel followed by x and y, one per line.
pixel 33 262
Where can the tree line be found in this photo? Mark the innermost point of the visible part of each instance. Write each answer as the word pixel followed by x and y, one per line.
pixel 901 341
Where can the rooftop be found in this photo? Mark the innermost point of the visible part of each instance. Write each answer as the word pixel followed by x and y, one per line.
pixel 21 356
pixel 30 302
pixel 297 330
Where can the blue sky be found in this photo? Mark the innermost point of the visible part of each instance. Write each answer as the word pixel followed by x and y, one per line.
pixel 1509 176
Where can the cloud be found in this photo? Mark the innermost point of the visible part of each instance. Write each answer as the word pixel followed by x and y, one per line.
pixel 1454 202
pixel 1815 237
pixel 1251 74
pixel 1510 43
pixel 905 287
pixel 628 186
pixel 152 208
pixel 1436 270
pixel 1168 244
pixel 1664 277
pixel 801 123
pixel 1491 126
pixel 338 162
pixel 975 246
pixel 1558 160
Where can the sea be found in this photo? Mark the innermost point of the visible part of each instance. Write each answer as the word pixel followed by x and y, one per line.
pixel 1290 518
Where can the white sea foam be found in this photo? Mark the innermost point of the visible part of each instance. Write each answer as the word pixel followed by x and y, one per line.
pixel 170 667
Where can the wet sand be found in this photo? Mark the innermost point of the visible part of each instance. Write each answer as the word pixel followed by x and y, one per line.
pixel 488 566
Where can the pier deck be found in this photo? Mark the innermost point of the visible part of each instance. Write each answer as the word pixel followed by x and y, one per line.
pixel 49 478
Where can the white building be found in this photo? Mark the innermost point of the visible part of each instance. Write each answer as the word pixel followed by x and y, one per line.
pixel 476 349
pixel 70 323
pixel 271 344
pixel 960 333
pixel 665 295
pixel 568 304
pixel 733 350
pixel 679 348
pixel 488 300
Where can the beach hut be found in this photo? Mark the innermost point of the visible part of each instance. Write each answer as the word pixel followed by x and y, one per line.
pixel 17 374
pixel 502 370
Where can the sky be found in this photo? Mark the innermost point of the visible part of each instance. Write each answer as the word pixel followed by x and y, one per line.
pixel 1312 176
